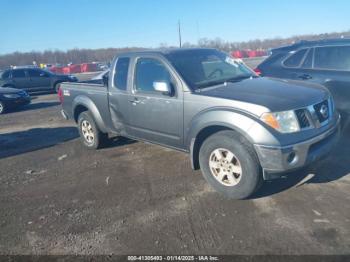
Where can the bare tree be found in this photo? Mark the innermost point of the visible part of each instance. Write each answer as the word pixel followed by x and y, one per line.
pixel 106 54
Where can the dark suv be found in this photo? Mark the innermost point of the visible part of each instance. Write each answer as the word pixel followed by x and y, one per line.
pixel 326 62
pixel 33 79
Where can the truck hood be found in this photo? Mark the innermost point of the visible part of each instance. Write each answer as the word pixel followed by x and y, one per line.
pixel 274 94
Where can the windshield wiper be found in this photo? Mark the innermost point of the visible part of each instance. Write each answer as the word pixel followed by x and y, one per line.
pixel 223 81
pixel 209 84
pixel 239 78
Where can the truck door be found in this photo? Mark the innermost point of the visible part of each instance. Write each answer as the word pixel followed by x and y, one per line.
pixel 155 116
pixel 118 96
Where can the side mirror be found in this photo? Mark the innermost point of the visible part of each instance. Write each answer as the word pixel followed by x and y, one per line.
pixel 105 80
pixel 162 87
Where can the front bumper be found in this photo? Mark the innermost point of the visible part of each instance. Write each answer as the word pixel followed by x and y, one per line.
pixel 20 101
pixel 277 160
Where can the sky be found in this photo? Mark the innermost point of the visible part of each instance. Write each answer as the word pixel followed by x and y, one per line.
pixel 39 25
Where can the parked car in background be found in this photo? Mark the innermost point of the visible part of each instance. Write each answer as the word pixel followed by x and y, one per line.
pixel 325 62
pixel 238 128
pixel 11 98
pixel 33 79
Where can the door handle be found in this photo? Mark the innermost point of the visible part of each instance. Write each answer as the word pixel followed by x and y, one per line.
pixel 305 76
pixel 135 101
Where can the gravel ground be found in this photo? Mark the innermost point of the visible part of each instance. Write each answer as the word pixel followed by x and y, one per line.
pixel 56 197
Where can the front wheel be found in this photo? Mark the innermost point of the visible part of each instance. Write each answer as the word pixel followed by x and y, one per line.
pixel 56 87
pixel 90 135
pixel 230 165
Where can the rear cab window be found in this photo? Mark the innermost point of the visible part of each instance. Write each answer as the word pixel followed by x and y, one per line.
pixel 332 58
pixel 295 59
pixel 121 73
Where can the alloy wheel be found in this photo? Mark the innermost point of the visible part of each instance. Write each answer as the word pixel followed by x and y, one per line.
pixel 225 167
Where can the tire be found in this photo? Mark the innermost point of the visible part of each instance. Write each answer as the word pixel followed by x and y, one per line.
pixel 90 135
pixel 56 86
pixel 2 108
pixel 242 175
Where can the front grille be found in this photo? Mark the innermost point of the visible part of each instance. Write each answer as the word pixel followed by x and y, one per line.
pixel 302 118
pixel 322 111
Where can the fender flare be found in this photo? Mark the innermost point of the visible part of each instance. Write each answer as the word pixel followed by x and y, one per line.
pixel 85 101
pixel 226 118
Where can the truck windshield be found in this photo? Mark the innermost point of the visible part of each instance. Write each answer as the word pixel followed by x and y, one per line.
pixel 202 68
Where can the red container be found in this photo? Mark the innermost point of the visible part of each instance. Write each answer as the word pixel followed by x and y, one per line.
pixel 75 69
pixel 262 53
pixel 58 70
pixel 252 53
pixel 66 70
pixel 237 54
pixel 245 53
pixel 88 67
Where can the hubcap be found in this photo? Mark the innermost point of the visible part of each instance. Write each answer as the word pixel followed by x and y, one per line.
pixel 87 131
pixel 225 167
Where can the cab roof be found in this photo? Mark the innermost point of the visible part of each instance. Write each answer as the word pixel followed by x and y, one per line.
pixel 307 43
pixel 165 51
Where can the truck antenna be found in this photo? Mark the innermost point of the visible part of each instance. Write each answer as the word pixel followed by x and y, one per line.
pixel 179 27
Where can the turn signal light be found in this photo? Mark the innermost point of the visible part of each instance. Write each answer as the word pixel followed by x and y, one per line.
pixel 271 120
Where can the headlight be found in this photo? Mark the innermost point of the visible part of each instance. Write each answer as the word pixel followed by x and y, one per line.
pixel 11 95
pixel 284 122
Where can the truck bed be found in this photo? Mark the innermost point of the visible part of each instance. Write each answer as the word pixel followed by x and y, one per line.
pixel 84 93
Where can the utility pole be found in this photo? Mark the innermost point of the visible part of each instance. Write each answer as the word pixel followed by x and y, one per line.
pixel 179 26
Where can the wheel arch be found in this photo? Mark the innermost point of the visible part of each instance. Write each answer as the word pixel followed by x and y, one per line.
pixel 82 104
pixel 209 123
pixel 56 82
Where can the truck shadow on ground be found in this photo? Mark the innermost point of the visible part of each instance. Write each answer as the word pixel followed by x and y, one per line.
pixel 118 141
pixel 330 169
pixel 35 106
pixel 20 142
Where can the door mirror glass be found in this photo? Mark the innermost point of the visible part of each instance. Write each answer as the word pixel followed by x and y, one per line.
pixel 162 87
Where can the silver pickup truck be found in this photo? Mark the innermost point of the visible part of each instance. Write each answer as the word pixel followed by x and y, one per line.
pixel 238 128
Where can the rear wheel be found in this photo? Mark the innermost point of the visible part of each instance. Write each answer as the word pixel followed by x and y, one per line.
pixel 2 108
pixel 230 165
pixel 56 86
pixel 90 135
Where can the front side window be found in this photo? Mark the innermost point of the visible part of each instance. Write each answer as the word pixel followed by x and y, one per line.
pixel 18 74
pixel 148 71
pixel 333 57
pixel 295 59
pixel 207 67
pixel 121 73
